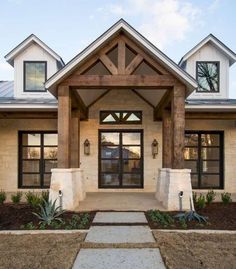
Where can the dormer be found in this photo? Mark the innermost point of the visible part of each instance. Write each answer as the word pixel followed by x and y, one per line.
pixel 208 62
pixel 34 62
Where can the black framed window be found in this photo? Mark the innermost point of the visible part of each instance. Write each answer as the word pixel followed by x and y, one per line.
pixel 121 158
pixel 37 156
pixel 120 117
pixel 35 75
pixel 204 155
pixel 207 74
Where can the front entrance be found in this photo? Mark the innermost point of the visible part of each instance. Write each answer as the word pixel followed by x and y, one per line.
pixel 120 159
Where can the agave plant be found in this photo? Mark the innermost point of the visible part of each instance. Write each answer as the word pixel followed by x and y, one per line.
pixel 191 215
pixel 49 212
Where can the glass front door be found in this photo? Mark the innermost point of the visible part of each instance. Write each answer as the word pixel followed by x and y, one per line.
pixel 121 159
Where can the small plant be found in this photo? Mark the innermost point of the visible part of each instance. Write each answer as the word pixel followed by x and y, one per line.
pixel 201 202
pixel 45 195
pixel 183 224
pixel 2 197
pixel 163 218
pixel 33 199
pixel 210 197
pixel 28 226
pixel 194 198
pixel 16 198
pixel 49 212
pixel 226 198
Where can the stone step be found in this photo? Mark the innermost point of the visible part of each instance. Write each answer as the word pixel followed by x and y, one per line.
pixel 120 217
pixel 119 259
pixel 120 234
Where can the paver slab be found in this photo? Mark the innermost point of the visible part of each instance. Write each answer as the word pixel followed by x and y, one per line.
pixel 120 234
pixel 119 259
pixel 120 217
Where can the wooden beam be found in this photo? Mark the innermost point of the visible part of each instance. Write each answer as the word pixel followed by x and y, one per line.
pixel 79 104
pixel 64 123
pixel 178 126
pixel 75 139
pixel 163 104
pixel 166 139
pixel 134 64
pixel 121 81
pixel 28 115
pixel 121 57
pixel 224 115
pixel 109 64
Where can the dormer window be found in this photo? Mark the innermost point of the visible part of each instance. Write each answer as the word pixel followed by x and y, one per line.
pixel 208 76
pixel 35 74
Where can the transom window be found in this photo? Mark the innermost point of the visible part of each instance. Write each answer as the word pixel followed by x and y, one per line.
pixel 121 117
pixel 37 156
pixel 208 76
pixel 204 156
pixel 35 74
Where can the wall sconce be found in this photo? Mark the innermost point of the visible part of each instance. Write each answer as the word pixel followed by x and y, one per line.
pixel 154 148
pixel 86 147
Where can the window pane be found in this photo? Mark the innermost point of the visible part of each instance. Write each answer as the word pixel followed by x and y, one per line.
pixel 131 138
pixel 109 118
pixel 132 166
pixel 31 139
pixel 210 181
pixel 191 165
pixel 46 180
pixel 50 139
pixel 210 153
pixel 30 166
pixel 50 152
pixel 208 77
pixel 31 180
pixel 191 139
pixel 131 152
pixel 190 153
pixel 210 140
pixel 131 179
pixel 110 179
pixel 110 166
pixel 133 117
pixel 31 153
pixel 35 76
pixel 194 180
pixel 110 139
pixel 49 164
pixel 110 152
pixel 210 167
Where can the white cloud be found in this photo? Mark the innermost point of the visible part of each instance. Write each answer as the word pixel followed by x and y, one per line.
pixel 214 5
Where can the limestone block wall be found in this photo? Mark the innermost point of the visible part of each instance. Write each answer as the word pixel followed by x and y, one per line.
pixel 9 147
pixel 121 100
pixel 229 128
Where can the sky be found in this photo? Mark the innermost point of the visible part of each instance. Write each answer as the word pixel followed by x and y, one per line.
pixel 68 26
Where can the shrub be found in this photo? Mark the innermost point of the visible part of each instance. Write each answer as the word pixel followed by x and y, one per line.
pixel 210 197
pixel 33 199
pixel 194 198
pixel 17 197
pixel 226 198
pixel 49 212
pixel 201 201
pixel 45 195
pixel 2 197
pixel 163 218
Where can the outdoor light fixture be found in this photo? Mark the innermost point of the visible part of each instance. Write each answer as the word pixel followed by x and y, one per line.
pixel 154 148
pixel 86 147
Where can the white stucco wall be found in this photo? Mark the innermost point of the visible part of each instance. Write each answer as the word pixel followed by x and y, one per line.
pixel 209 53
pixel 32 53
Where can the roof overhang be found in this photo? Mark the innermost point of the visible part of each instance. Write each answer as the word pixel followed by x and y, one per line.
pixel 216 43
pixel 28 42
pixel 121 25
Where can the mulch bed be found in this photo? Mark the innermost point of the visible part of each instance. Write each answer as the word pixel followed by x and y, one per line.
pixel 220 217
pixel 14 216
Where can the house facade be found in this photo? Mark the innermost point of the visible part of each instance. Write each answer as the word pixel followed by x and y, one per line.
pixel 119 117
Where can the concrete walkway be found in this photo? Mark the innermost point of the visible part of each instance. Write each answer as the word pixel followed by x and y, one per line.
pixel 118 249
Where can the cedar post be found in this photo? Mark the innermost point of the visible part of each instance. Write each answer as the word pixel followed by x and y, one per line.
pixel 178 126
pixel 64 121
pixel 75 139
pixel 166 136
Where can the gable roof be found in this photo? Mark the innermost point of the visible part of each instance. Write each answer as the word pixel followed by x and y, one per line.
pixel 25 44
pixel 215 42
pixel 121 25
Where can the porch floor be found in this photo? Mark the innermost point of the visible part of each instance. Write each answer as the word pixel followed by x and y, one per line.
pixel 120 201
